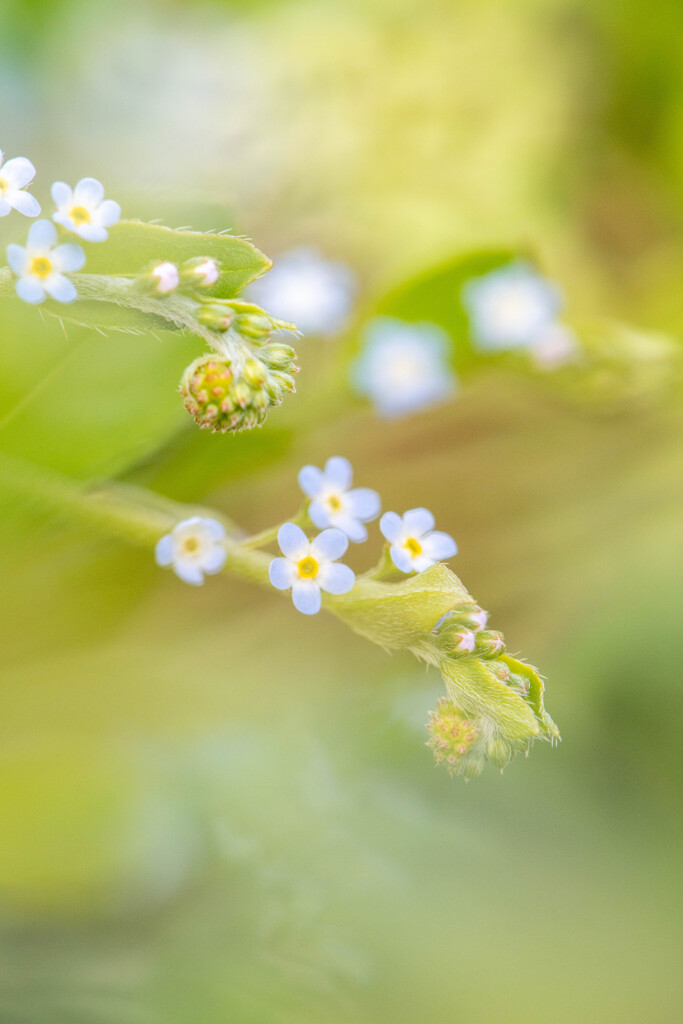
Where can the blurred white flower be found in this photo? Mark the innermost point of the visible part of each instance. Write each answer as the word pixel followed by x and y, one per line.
pixel 415 544
pixel 307 290
pixel 310 566
pixel 40 266
pixel 193 547
pixel 84 210
pixel 556 347
pixel 403 366
pixel 510 307
pixel 332 501
pixel 15 175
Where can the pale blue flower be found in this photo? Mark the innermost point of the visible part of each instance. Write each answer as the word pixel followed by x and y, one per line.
pixel 194 547
pixel 307 290
pixel 556 347
pixel 41 265
pixel 310 566
pixel 15 175
pixel 84 210
pixel 414 543
pixel 333 503
pixel 510 307
pixel 404 366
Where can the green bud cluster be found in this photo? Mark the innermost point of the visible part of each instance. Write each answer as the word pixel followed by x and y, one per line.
pixel 226 396
pixel 453 739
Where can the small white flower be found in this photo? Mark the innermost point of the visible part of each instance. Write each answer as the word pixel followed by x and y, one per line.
pixel 403 366
pixel 310 566
pixel 15 176
pixel 85 211
pixel 556 347
pixel 510 307
pixel 193 547
pixel 333 503
pixel 479 618
pixel 415 545
pixel 167 277
pixel 314 293
pixel 40 266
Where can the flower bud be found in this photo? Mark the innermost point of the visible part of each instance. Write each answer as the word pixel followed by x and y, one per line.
pixel 474 618
pixel 216 316
pixel 159 279
pixel 278 356
pixel 200 272
pixel 457 641
pixel 499 751
pixel 489 643
pixel 254 326
pixel 221 400
pixel 500 670
pixel 452 737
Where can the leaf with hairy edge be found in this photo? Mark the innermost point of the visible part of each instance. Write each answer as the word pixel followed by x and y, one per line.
pixel 134 244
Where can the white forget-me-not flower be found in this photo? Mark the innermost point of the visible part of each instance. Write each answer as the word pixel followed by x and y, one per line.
pixel 84 210
pixel 333 503
pixel 310 566
pixel 15 175
pixel 415 544
pixel 404 366
pixel 41 265
pixel 510 307
pixel 194 547
pixel 304 288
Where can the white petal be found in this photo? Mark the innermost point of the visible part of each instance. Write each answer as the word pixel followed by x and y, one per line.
pixel 319 513
pixel 23 203
pixel 353 528
pixel 281 573
pixel 109 213
pixel 329 545
pixel 213 528
pixel 91 232
pixel 391 526
pixel 292 540
pixel 42 235
pixel 30 290
pixel 439 546
pixel 89 192
pixel 68 258
pixel 402 558
pixel 17 258
pixel 60 288
pixel 336 579
pixel 306 597
pixel 214 559
pixel 163 552
pixel 64 220
pixel 18 172
pixel 418 521
pixel 187 524
pixel 5 207
pixel 62 194
pixel 189 572
pixel 422 562
pixel 311 481
pixel 363 503
pixel 339 471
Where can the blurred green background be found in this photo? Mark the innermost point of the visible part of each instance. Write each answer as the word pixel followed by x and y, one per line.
pixel 216 810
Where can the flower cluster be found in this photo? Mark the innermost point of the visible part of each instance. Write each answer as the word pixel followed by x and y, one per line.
pixel 41 266
pixel 515 307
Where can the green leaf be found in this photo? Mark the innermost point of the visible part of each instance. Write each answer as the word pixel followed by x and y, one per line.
pixel 474 688
pixel 133 244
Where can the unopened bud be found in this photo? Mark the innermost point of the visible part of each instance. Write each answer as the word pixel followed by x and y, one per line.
pixel 200 272
pixel 159 279
pixel 499 751
pixel 254 326
pixel 278 356
pixel 458 641
pixel 500 670
pixel 215 316
pixel 451 736
pixel 222 400
pixel 475 618
pixel 489 643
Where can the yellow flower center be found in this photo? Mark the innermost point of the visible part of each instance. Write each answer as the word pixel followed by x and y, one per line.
pixel 3 186
pixel 413 546
pixel 334 502
pixel 41 267
pixel 307 568
pixel 80 215
pixel 190 545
